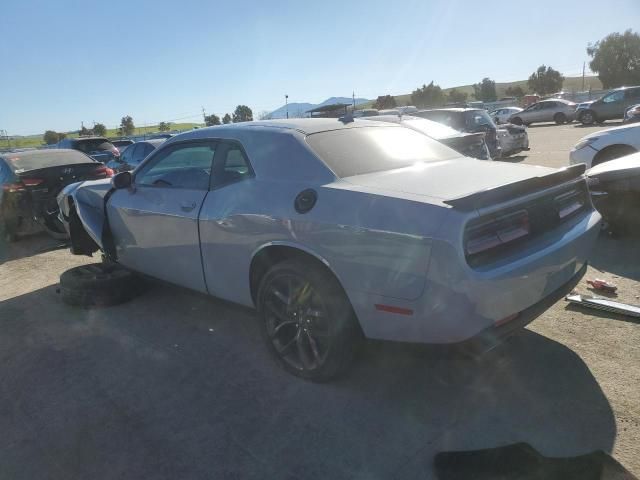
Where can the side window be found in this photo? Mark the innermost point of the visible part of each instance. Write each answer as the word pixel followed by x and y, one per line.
pixel 127 155
pixel 148 148
pixel 633 93
pixel 181 166
pixel 233 167
pixel 614 97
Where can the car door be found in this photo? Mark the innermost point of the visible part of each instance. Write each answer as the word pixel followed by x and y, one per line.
pixel 155 222
pixel 612 106
pixel 229 228
pixel 530 114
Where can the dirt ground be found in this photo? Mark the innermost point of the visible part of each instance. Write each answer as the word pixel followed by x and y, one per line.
pixel 178 385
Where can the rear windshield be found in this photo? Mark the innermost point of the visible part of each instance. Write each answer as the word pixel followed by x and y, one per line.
pixel 122 143
pixel 356 151
pixel 93 145
pixel 478 118
pixel 26 161
pixel 451 118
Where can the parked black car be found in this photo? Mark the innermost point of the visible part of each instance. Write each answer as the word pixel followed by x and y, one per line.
pixel 471 120
pixel 134 154
pixel 31 180
pixel 98 148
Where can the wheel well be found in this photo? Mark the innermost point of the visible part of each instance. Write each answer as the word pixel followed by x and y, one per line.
pixel 559 114
pixel 269 256
pixel 81 242
pixel 605 154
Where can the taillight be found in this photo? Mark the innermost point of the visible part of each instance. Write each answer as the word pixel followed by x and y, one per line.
pixel 497 232
pixel 14 187
pixel 103 172
pixel 569 203
pixel 32 182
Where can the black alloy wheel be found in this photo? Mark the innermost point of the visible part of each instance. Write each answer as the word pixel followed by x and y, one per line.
pixel 307 321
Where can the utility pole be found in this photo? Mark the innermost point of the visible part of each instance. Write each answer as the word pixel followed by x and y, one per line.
pixel 286 104
pixel 583 66
pixel 204 115
pixel 353 95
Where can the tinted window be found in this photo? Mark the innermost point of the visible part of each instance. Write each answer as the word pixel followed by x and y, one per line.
pixel 235 166
pixel 614 97
pixel 127 155
pixel 478 118
pixel 93 145
pixel 181 166
pixel 355 151
pixel 633 93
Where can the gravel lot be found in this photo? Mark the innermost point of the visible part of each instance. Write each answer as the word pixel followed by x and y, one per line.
pixel 179 385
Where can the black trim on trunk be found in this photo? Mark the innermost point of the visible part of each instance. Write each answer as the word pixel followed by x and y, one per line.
pixel 521 188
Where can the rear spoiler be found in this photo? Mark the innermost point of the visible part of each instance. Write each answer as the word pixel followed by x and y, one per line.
pixel 502 193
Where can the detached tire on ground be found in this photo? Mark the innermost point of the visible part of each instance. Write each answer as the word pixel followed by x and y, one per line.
pixel 307 320
pixel 98 285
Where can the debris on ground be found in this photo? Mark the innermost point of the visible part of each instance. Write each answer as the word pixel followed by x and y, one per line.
pixel 599 303
pixel 603 285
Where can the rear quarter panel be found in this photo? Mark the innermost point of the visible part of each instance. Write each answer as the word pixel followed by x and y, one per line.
pixel 373 243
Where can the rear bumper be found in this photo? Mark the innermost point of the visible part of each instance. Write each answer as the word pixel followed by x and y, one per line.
pixel 494 335
pixel 460 303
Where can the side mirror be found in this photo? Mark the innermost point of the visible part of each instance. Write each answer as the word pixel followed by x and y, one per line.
pixel 122 180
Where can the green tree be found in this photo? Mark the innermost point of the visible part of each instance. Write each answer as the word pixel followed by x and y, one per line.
pixel 516 91
pixel 99 129
pixel 126 125
pixel 242 114
pixel 457 96
pixel 51 137
pixel 226 119
pixel 616 59
pixel 545 80
pixel 385 101
pixel 84 131
pixel 211 120
pixel 485 91
pixel 164 126
pixel 428 96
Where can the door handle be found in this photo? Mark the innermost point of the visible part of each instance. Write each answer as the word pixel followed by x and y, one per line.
pixel 187 206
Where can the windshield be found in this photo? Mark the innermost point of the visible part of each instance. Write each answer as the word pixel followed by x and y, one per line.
pixel 93 145
pixel 356 151
pixel 478 118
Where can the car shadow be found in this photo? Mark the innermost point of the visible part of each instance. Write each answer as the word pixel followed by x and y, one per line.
pixel 618 255
pixel 605 124
pixel 28 246
pixel 177 385
pixel 514 158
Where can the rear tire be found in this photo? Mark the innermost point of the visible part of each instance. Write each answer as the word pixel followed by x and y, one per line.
pixel 560 118
pixel 99 285
pixel 307 320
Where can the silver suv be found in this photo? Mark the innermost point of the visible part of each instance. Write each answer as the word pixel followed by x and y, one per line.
pixel 611 106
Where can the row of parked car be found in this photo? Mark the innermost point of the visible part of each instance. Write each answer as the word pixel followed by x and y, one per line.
pixel 621 103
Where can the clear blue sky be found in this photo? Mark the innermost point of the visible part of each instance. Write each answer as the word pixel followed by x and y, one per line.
pixel 69 61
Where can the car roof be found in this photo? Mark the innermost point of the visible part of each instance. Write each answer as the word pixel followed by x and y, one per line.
pixel 79 139
pixel 306 126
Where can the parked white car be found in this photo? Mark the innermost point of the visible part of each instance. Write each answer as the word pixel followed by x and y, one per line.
pixel 502 114
pixel 605 145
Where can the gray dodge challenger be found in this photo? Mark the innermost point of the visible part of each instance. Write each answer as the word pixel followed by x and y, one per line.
pixel 336 230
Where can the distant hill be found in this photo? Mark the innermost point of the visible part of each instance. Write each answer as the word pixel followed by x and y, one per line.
pixel 299 109
pixel 571 84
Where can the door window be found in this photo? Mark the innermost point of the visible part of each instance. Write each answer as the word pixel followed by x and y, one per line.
pixel 233 167
pixel 128 154
pixel 185 166
pixel 633 94
pixel 614 97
